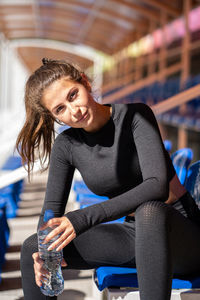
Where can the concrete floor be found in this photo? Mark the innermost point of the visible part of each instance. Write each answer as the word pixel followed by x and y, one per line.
pixel 78 284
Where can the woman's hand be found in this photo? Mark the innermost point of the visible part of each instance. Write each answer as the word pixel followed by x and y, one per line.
pixel 64 228
pixel 41 274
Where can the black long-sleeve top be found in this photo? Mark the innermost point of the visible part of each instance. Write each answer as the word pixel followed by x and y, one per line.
pixel 125 160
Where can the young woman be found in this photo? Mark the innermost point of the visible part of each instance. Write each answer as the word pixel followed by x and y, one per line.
pixel 119 152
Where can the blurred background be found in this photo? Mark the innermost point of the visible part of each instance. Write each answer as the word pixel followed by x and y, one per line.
pixel 134 51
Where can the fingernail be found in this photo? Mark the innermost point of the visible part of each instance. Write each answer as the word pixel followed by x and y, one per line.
pixel 50 248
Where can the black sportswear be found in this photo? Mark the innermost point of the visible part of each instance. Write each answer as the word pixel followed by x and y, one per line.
pixel 125 160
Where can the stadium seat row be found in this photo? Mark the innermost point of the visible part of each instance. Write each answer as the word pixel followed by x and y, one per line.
pixel 160 91
pixel 9 202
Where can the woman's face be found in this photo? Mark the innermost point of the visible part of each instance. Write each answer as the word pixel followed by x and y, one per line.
pixel 70 102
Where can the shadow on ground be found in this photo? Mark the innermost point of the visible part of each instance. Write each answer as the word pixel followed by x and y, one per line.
pixel 14 248
pixel 11 283
pixel 67 294
pixel 11 265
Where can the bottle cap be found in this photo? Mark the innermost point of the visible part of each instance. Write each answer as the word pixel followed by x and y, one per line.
pixel 49 214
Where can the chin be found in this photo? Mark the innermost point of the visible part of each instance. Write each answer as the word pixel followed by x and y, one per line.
pixel 89 121
pixel 87 125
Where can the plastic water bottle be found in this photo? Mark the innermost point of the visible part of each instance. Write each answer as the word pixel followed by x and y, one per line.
pixel 54 285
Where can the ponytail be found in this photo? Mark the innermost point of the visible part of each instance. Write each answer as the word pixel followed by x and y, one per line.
pixel 37 135
pixel 35 140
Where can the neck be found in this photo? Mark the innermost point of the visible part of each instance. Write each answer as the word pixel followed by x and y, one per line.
pixel 101 117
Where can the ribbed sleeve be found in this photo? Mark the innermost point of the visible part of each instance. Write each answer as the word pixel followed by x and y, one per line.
pixel 60 178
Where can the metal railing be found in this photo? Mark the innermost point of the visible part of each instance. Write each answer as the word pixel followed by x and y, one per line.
pixel 9 177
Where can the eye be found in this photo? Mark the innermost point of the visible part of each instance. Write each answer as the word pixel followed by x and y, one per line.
pixel 59 109
pixel 73 94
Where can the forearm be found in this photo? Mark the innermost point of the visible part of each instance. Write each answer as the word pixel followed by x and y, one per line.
pixel 118 206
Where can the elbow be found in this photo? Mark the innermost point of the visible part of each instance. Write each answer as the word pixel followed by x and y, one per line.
pixel 159 188
pixel 163 190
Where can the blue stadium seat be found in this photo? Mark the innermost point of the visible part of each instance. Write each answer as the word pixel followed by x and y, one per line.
pixel 81 188
pixel 192 183
pixel 4 237
pixel 11 193
pixel 86 198
pixel 181 160
pixel 168 145
pixel 127 277
pixel 8 199
pixel 89 199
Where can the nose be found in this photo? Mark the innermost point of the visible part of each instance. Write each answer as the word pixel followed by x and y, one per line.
pixel 74 110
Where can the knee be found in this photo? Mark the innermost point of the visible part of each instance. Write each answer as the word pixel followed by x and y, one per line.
pixel 152 212
pixel 29 246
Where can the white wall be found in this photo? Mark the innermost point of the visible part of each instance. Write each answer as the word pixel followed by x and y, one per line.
pixel 13 78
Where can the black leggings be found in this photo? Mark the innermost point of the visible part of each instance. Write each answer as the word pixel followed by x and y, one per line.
pixel 160 241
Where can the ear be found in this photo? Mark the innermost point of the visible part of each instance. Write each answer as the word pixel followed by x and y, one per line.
pixel 85 82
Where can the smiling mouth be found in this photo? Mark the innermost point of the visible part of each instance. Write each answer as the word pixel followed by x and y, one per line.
pixel 83 117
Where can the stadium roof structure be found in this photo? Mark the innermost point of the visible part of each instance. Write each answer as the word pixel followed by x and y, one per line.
pixel 91 26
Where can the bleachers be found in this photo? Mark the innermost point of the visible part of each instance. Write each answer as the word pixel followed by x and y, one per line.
pixel 9 201
pixel 159 91
pixel 168 145
pixel 193 181
pixel 181 160
pixel 10 195
pixel 85 197
pixel 4 237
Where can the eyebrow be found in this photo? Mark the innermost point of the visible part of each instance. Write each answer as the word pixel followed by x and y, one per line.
pixel 55 107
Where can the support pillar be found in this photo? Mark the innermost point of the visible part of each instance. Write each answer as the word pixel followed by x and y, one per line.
pixel 152 56
pixel 4 49
pixel 139 63
pixel 185 59
pixel 98 77
pixel 163 51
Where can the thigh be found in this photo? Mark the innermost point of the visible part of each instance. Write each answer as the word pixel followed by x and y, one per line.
pixel 104 244
pixel 185 244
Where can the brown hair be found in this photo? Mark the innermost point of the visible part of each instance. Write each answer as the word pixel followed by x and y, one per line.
pixel 37 135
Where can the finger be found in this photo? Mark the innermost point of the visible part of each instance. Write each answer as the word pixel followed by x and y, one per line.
pixel 51 223
pixel 35 255
pixel 38 282
pixel 58 241
pixel 39 279
pixel 39 268
pixel 55 232
pixel 62 238
pixel 66 242
pixel 63 263
pixel 38 261
pixel 39 264
pixel 58 230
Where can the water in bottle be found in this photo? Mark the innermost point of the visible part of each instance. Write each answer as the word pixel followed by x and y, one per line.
pixel 54 285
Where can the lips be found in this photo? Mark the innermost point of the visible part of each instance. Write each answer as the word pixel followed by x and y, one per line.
pixel 84 116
